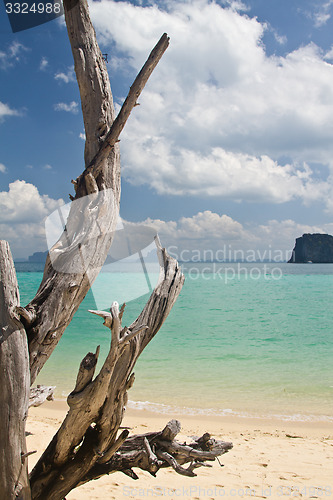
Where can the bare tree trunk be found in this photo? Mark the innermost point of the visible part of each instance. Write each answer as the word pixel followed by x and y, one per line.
pixel 15 384
pixel 87 445
pixel 88 238
pixel 75 261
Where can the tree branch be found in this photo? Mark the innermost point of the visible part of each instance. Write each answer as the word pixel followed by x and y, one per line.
pixel 88 435
pixel 133 95
pixel 40 394
pixel 75 261
pixel 137 452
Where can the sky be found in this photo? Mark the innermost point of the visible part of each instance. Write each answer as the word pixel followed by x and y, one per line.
pixel 231 146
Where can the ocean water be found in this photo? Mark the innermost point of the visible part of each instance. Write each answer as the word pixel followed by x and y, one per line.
pixel 244 339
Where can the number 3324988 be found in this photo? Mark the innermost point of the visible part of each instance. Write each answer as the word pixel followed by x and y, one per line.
pixel 35 8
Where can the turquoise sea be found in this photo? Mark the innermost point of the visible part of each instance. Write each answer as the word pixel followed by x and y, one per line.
pixel 246 339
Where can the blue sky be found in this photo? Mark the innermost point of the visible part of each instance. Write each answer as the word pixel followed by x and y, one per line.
pixel 232 143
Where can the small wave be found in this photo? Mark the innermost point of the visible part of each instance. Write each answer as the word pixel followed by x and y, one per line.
pixel 225 412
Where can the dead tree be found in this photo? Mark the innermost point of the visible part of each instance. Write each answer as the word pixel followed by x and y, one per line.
pixel 88 443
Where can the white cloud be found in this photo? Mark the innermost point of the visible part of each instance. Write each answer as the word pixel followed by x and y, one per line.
pixel 329 55
pixel 217 102
pixel 322 14
pixel 82 136
pixel 72 107
pixel 6 110
pixel 23 203
pixel 43 64
pixel 237 5
pixel 67 77
pixel 220 173
pixel 281 39
pixel 3 168
pixel 210 236
pixel 12 54
pixel 24 238
pixel 47 167
pixel 22 212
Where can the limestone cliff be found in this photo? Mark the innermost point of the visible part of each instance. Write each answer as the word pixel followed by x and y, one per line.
pixel 315 248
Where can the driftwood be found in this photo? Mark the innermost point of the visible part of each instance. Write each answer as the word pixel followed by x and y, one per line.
pixel 15 383
pixel 89 433
pixel 88 443
pixel 157 450
pixel 40 394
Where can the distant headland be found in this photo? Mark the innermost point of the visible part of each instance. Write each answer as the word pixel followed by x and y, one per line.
pixel 313 248
pixel 39 257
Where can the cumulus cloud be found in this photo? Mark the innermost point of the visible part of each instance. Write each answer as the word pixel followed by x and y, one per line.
pixel 6 110
pixel 211 236
pixel 3 169
pixel 67 77
pixel 219 103
pixel 72 107
pixel 22 213
pixel 221 173
pixel 23 203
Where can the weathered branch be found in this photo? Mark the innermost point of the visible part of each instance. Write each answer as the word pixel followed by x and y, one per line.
pixel 169 459
pixel 88 443
pixel 15 383
pixel 91 73
pixel 86 371
pixel 88 435
pixel 40 394
pixel 75 261
pixel 137 452
pixel 133 95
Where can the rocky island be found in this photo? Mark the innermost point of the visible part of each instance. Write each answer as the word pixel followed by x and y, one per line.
pixel 313 248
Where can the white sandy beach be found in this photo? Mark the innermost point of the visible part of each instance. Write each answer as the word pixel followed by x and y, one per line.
pixel 270 459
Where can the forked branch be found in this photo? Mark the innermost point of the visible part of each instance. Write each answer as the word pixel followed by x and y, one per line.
pixel 89 433
pixel 87 444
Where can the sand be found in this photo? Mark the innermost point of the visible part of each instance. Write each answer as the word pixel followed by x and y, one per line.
pixel 270 459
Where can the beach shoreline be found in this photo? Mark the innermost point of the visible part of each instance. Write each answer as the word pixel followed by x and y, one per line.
pixel 271 458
